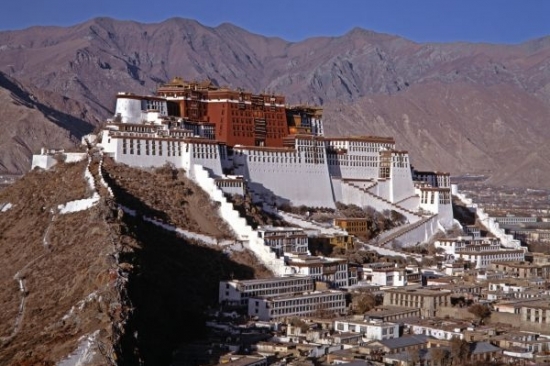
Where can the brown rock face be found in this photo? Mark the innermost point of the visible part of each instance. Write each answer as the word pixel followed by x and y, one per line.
pixel 459 107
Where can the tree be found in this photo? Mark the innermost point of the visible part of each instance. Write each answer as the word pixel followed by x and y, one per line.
pixel 439 356
pixel 460 350
pixel 480 311
pixel 414 356
pixel 362 302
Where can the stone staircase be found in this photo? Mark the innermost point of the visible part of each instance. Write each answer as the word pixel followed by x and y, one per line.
pixel 238 224
pixel 410 215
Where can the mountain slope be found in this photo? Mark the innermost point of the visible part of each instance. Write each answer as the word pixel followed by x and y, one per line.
pixel 32 119
pixel 459 127
pixel 505 85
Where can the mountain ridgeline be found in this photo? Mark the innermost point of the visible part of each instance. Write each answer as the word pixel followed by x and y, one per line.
pixel 461 107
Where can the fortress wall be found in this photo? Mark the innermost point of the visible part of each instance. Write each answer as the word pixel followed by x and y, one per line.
pixel 411 203
pixel 382 189
pixel 445 215
pixel 206 155
pixel 421 233
pixel 490 223
pixel 146 161
pixel 43 161
pixel 337 189
pixel 300 183
pixel 401 183
pixel 108 144
pixel 74 157
pixel 353 195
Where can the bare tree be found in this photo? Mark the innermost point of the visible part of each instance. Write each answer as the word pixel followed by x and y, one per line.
pixel 439 356
pixel 480 311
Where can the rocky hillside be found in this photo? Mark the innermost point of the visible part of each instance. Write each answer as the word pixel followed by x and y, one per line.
pixel 101 286
pixel 368 82
pixel 32 118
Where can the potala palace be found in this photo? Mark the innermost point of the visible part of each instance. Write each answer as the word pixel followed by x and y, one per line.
pixel 280 154
pixel 232 142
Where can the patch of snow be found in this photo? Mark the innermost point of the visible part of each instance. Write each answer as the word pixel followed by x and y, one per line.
pixel 84 353
pixel 78 205
pixel 5 207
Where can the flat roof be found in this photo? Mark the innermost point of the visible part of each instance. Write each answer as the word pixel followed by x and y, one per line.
pixel 271 279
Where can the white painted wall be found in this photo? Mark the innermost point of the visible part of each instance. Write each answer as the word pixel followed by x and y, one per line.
pixel 129 109
pixel 43 161
pixel 490 223
pixel 288 177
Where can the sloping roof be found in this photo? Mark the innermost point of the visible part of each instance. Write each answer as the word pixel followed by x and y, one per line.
pixel 405 341
pixel 482 347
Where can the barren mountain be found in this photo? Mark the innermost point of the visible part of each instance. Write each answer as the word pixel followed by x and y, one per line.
pixel 358 76
pixel 32 118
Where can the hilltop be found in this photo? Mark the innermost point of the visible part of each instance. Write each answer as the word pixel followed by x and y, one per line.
pixel 462 107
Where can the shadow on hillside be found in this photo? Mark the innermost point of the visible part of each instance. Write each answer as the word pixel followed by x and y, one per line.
pixel 130 201
pixel 172 283
pixel 76 126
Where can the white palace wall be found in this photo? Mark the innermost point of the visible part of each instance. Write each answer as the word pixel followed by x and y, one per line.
pixel 129 109
pixel 337 189
pixel 155 152
pixel 401 183
pixel 135 153
pixel 419 233
pixel 286 175
pixel 411 203
pixel 490 223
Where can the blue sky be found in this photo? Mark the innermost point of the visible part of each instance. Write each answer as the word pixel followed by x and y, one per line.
pixel 493 21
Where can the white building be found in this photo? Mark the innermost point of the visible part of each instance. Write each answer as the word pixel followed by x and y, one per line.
pixel 467 244
pixel 440 329
pixel 483 259
pixel 237 292
pixel 331 270
pixel 385 275
pixel 284 239
pixel 315 303
pixel 370 329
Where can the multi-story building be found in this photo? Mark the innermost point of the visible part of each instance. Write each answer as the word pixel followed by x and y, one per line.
pixel 240 117
pixel 483 259
pixel 284 239
pixel 357 226
pixel 315 303
pixel 331 270
pixel 536 312
pixel 428 301
pixel 514 220
pixel 437 328
pixel 522 269
pixel 385 275
pixel 237 292
pixel 467 244
pixel 217 133
pixel 370 329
